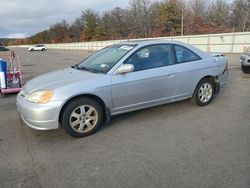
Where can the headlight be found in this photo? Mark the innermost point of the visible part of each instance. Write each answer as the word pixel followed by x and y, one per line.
pixel 41 97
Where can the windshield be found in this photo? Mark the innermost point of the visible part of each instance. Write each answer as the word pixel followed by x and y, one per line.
pixel 103 60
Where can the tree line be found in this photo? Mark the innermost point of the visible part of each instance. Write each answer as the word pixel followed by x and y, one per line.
pixel 145 18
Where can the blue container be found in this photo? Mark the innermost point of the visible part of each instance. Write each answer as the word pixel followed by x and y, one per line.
pixel 3 66
pixel 3 72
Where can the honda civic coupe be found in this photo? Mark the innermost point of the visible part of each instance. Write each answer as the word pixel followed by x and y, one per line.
pixel 117 79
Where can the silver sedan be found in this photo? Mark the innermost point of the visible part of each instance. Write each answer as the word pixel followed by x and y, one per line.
pixel 118 79
pixel 245 60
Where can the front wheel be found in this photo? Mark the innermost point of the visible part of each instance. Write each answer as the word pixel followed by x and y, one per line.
pixel 204 92
pixel 82 117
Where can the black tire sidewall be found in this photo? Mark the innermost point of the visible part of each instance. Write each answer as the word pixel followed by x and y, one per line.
pixel 196 93
pixel 72 106
pixel 245 69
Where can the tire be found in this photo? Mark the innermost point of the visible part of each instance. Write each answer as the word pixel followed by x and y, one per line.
pixel 43 49
pixel 82 117
pixel 245 69
pixel 204 92
pixel 32 50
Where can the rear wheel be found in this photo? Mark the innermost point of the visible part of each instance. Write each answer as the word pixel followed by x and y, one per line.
pixel 82 117
pixel 204 92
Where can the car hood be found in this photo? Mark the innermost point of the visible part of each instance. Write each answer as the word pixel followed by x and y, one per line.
pixel 57 79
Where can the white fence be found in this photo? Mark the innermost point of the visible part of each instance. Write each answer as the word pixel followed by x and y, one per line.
pixel 223 42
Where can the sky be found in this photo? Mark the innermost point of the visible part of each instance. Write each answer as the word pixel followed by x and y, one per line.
pixel 23 18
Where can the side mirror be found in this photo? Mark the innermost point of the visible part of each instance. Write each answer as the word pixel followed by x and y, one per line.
pixel 126 68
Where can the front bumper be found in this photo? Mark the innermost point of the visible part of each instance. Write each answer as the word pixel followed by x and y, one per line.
pixel 39 116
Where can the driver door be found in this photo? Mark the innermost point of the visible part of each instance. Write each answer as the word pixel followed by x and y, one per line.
pixel 152 82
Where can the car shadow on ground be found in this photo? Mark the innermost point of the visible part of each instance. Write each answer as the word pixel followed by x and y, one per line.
pixel 147 114
pixel 9 95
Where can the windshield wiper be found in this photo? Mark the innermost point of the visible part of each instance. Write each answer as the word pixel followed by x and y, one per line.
pixel 87 69
pixel 75 66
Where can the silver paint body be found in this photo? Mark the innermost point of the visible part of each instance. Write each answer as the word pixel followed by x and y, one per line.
pixel 245 57
pixel 245 60
pixel 120 92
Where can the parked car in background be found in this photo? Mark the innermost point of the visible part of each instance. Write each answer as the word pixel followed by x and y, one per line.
pixel 3 49
pixel 245 60
pixel 38 47
pixel 118 79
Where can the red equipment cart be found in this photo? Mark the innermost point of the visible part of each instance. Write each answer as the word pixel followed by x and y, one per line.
pixel 13 74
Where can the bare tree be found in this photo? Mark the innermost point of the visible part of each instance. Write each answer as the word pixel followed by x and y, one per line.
pixel 140 16
pixel 59 31
pixel 198 7
pixel 240 14
pixel 218 12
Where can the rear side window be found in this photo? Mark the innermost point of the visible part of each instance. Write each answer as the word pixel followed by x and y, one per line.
pixel 184 55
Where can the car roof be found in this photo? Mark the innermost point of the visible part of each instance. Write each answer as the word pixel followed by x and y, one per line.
pixel 151 41
pixel 141 43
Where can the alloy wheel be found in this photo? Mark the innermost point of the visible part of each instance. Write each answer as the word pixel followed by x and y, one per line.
pixel 83 118
pixel 205 92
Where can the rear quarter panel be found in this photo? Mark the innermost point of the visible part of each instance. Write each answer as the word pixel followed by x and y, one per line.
pixel 190 73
